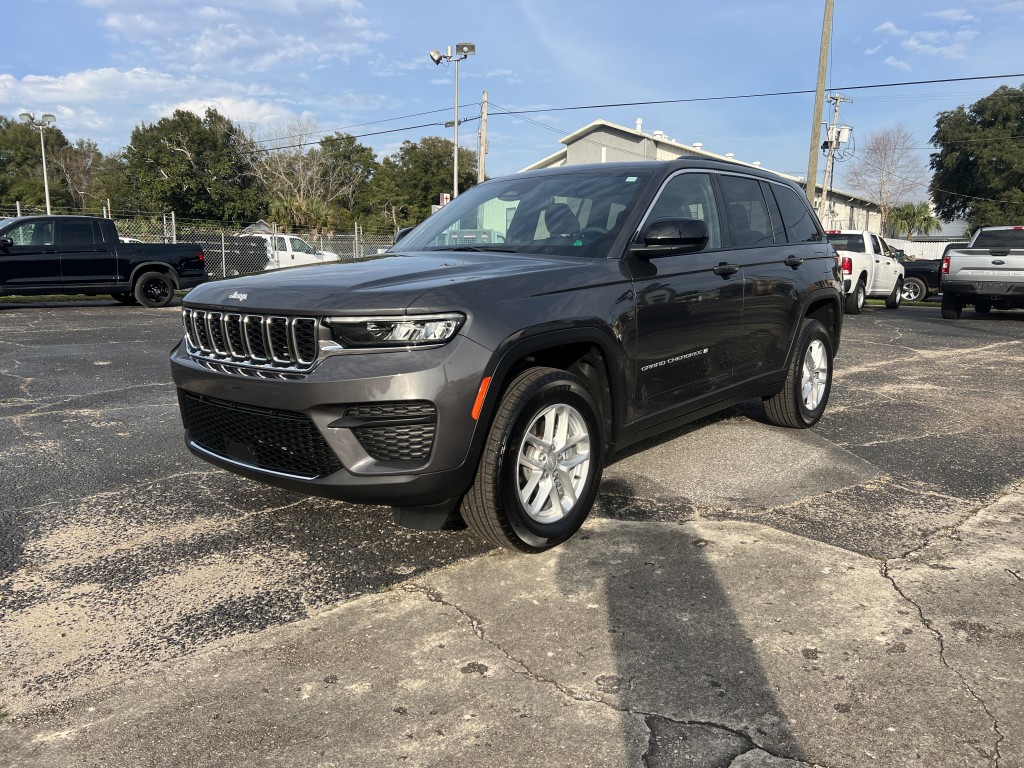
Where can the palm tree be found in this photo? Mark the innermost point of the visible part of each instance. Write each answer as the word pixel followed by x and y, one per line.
pixel 913 218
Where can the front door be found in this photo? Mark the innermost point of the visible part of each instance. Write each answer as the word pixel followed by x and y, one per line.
pixel 689 309
pixel 32 260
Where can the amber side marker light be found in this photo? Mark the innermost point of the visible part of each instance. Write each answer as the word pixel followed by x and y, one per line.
pixel 478 405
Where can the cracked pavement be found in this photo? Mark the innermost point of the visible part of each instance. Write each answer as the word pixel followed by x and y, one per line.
pixel 742 596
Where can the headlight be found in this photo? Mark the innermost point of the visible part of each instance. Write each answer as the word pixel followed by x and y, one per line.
pixel 410 331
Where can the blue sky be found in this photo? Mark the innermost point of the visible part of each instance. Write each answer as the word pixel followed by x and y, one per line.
pixel 103 66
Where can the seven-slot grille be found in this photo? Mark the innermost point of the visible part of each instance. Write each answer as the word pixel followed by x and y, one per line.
pixel 264 341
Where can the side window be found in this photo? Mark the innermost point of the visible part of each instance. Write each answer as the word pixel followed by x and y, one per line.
pixel 877 245
pixel 32 233
pixel 691 196
pixel 74 233
pixel 801 226
pixel 885 247
pixel 746 212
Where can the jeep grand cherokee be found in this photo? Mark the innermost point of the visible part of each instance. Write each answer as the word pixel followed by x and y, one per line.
pixel 487 382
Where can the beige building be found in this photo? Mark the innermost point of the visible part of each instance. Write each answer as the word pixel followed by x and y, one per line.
pixel 604 142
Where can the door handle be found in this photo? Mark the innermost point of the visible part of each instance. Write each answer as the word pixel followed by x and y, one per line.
pixel 724 270
pixel 793 261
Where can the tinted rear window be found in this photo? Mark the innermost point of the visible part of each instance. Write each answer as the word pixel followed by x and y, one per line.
pixel 1000 238
pixel 842 242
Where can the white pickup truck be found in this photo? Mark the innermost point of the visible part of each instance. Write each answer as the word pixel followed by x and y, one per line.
pixel 292 251
pixel 870 270
pixel 988 272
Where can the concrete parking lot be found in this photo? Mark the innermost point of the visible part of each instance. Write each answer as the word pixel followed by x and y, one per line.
pixel 742 596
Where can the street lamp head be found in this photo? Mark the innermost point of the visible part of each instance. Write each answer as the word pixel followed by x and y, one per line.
pixel 28 117
pixel 436 56
pixel 48 118
pixel 465 49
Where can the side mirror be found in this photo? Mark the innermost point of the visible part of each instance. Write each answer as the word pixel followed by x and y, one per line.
pixel 403 232
pixel 669 237
pixel 6 242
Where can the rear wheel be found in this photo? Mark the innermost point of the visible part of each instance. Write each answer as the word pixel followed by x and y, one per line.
pixel 855 300
pixel 541 465
pixel 892 301
pixel 951 306
pixel 154 289
pixel 914 289
pixel 802 400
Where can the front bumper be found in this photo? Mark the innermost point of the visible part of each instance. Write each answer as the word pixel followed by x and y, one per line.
pixel 391 428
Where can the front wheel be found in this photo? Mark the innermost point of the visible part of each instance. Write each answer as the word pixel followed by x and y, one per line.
pixel 541 465
pixel 803 398
pixel 855 300
pixel 892 301
pixel 154 290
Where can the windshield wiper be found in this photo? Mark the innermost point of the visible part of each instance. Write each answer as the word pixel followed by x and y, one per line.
pixel 476 248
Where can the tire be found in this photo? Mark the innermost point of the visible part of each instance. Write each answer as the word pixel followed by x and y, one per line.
pixel 914 289
pixel 154 290
pixel 803 398
pixel 518 499
pixel 124 298
pixel 892 301
pixel 983 306
pixel 951 306
pixel 855 301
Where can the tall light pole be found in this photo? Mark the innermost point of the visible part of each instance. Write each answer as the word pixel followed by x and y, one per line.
pixel 462 51
pixel 44 120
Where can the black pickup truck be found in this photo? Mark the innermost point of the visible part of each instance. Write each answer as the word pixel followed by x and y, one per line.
pixel 83 254
pixel 920 277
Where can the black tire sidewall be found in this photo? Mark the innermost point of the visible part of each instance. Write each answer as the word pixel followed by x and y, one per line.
pixel 547 392
pixel 140 289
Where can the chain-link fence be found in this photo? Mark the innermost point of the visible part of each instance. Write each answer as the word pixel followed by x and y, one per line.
pixel 229 250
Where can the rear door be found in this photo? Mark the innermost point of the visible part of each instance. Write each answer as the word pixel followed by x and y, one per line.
pixel 771 273
pixel 86 260
pixel 32 260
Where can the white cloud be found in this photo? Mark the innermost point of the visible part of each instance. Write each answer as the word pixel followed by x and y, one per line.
pixel 892 61
pixel 872 51
pixel 888 28
pixel 956 15
pixel 944 44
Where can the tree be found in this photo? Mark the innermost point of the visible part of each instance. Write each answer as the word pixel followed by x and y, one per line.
pixel 312 183
pixel 411 180
pixel 197 167
pixel 21 165
pixel 913 218
pixel 979 165
pixel 79 167
pixel 887 169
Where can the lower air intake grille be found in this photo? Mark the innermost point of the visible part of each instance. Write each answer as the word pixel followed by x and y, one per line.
pixel 395 431
pixel 279 441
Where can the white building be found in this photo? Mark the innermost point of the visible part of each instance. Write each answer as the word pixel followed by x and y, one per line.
pixel 604 142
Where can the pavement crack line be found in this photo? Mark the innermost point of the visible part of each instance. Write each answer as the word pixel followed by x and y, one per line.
pixel 521 668
pixel 749 744
pixel 941 640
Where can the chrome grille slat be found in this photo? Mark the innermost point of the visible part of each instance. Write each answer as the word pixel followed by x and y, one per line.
pixel 242 342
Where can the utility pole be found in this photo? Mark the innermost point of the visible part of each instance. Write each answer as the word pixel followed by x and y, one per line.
pixel 819 102
pixel 481 136
pixel 833 136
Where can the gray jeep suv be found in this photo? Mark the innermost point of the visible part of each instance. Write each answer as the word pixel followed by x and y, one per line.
pixel 485 367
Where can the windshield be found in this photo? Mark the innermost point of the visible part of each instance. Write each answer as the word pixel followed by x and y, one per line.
pixel 576 214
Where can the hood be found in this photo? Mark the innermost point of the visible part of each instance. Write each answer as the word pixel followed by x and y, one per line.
pixel 392 284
